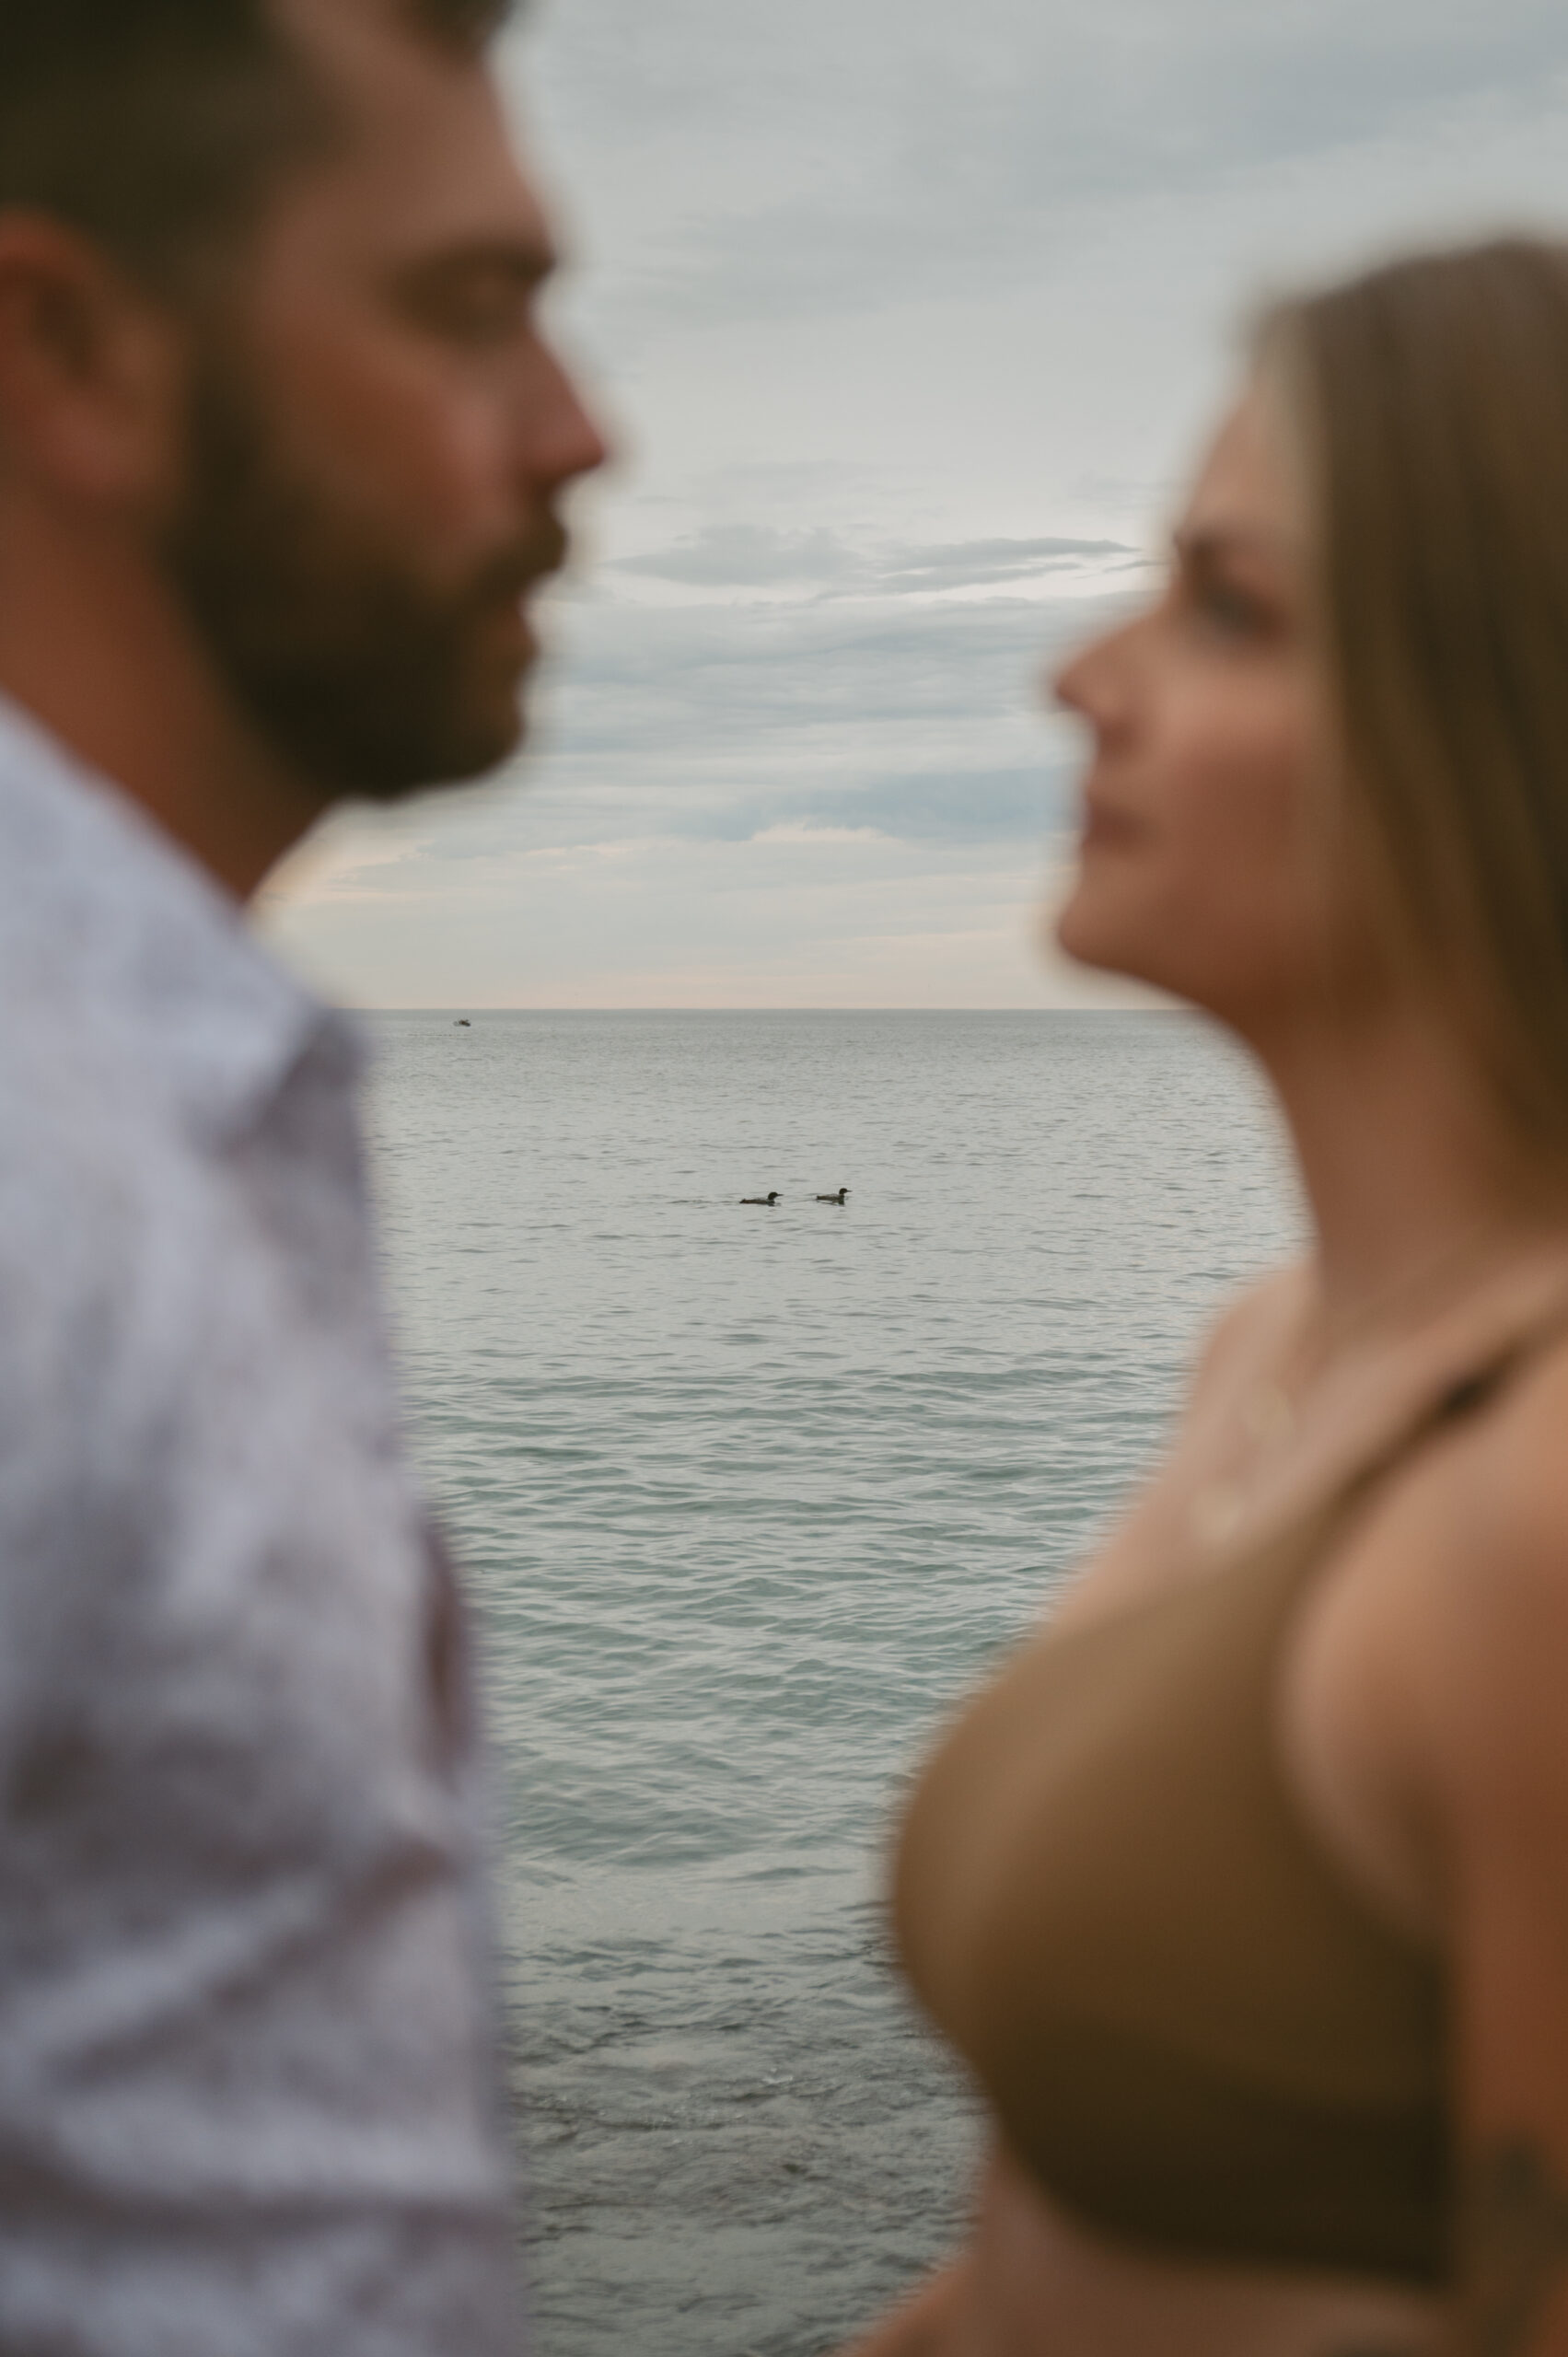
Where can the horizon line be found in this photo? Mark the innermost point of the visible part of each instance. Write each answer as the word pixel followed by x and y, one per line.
pixel 473 1006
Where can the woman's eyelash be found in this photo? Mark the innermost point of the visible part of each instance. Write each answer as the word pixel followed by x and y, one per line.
pixel 1227 604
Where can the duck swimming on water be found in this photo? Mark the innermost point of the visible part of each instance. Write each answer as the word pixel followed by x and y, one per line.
pixel 769 1200
pixel 840 1198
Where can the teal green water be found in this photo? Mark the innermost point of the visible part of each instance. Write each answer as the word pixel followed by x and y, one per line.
pixel 747 1499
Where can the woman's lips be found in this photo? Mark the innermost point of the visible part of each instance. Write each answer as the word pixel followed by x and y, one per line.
pixel 1105 828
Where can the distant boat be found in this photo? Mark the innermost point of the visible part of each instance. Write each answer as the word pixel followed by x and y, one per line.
pixel 766 1200
pixel 840 1198
pixel 462 1023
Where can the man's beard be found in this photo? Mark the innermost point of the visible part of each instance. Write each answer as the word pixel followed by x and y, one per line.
pixel 357 671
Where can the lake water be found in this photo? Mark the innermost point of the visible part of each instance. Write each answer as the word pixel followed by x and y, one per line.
pixel 747 1499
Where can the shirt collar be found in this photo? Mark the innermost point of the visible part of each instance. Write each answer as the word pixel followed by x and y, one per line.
pixel 98 906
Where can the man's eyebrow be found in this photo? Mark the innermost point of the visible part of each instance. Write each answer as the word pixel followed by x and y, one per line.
pixel 527 262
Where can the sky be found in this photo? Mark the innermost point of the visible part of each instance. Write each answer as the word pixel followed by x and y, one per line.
pixel 909 318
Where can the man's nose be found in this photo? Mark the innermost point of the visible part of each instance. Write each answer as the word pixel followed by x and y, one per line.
pixel 565 439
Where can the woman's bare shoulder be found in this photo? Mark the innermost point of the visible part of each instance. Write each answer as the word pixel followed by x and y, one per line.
pixel 1503 1596
pixel 1250 1332
pixel 1429 1671
pixel 1149 1541
pixel 1514 1485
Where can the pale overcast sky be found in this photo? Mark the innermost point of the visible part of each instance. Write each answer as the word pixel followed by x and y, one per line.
pixel 909 316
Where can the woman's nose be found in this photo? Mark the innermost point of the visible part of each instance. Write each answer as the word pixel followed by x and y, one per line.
pixel 1068 684
pixel 1095 683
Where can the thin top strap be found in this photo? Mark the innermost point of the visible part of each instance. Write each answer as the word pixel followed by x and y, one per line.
pixel 1462 1395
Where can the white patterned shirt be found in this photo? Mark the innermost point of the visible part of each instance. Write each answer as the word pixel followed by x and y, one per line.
pixel 249 2090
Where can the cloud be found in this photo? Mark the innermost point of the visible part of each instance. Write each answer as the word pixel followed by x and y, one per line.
pixel 905 147
pixel 724 680
pixel 713 924
pixel 747 555
pixel 756 556
pixel 924 721
pixel 815 835
pixel 966 806
pixel 971 565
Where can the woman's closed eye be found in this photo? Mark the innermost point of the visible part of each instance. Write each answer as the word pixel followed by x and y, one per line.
pixel 1221 609
pixel 1215 587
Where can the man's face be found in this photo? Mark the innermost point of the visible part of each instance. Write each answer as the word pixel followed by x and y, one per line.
pixel 378 435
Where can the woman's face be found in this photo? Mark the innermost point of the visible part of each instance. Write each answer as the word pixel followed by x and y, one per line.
pixel 1202 867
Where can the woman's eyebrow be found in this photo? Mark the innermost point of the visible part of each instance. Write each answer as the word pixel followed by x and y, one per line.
pixel 1205 544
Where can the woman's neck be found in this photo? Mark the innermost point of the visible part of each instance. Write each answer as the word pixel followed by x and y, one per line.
pixel 1411 1187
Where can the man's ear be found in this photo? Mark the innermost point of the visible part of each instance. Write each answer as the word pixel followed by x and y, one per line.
pixel 91 369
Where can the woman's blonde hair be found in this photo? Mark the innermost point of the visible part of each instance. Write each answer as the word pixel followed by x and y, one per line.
pixel 1429 401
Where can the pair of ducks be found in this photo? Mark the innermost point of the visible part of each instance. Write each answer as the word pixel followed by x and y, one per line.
pixel 769 1201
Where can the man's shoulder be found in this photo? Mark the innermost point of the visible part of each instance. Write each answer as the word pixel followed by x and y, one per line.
pixel 80 1110
pixel 127 971
pixel 102 1215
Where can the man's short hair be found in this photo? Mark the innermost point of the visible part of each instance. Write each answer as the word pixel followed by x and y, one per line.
pixel 158 127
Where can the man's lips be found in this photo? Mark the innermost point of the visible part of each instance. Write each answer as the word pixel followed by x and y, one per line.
pixel 511 584
pixel 520 570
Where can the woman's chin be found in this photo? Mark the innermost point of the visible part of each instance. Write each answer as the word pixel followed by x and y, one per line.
pixel 1082 933
pixel 1122 951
